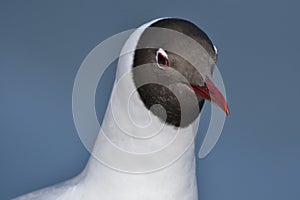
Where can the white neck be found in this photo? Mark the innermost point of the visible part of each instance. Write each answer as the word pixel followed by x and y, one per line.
pixel 176 182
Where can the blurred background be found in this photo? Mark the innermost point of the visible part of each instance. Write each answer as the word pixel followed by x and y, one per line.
pixel 42 44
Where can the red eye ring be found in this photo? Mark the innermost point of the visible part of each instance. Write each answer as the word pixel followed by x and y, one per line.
pixel 162 61
pixel 162 58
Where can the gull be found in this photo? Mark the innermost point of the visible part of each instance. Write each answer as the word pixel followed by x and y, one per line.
pixel 163 79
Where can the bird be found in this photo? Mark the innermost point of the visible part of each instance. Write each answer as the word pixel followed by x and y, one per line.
pixel 165 70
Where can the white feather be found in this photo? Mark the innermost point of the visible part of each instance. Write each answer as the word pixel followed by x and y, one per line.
pixel 99 182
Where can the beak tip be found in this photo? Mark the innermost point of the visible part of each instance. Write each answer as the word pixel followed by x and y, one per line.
pixel 227 111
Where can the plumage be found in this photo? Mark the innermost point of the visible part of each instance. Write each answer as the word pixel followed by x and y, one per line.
pixel 174 177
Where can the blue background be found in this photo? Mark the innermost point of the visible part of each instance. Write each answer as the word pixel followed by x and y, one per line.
pixel 42 44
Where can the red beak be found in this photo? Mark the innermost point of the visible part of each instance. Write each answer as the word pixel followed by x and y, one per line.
pixel 211 93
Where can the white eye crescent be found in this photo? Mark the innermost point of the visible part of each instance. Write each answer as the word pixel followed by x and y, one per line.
pixel 162 59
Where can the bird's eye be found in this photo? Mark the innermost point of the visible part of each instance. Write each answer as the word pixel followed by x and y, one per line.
pixel 162 59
